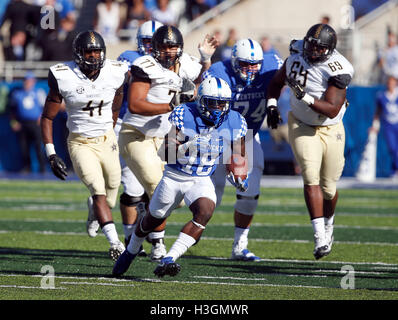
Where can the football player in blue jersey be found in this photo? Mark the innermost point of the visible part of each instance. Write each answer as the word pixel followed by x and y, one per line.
pixel 134 199
pixel 248 73
pixel 201 132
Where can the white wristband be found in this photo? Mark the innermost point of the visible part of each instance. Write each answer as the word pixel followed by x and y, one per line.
pixel 49 149
pixel 308 99
pixel 204 57
pixel 272 102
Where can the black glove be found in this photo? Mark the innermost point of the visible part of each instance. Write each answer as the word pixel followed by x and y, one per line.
pixel 273 117
pixel 58 166
pixel 296 88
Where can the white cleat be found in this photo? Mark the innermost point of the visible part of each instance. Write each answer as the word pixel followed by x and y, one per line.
pixel 329 236
pixel 322 248
pixel 240 252
pixel 158 250
pixel 92 225
pixel 116 250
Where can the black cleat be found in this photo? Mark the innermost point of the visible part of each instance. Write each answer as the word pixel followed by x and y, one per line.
pixel 167 266
pixel 321 252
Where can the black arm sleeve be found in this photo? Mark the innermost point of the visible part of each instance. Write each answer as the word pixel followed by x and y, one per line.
pixel 52 82
pixel 340 81
pixel 137 74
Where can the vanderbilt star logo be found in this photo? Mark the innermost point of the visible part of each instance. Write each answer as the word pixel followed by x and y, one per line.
pixel 339 137
pixel 114 147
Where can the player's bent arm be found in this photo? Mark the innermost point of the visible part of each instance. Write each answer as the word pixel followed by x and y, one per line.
pixel 139 105
pixel 117 104
pixel 51 108
pixel 171 145
pixel 206 50
pixel 332 102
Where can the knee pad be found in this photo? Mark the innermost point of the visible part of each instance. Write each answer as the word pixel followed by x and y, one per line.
pixel 329 190
pixel 130 201
pixel 246 205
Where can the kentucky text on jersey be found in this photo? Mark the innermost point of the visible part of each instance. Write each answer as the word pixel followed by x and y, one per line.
pixel 249 101
pixel 206 144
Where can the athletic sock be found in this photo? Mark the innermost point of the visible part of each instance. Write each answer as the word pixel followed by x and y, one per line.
pixel 329 221
pixel 135 244
pixel 128 230
pixel 318 224
pixel 241 235
pixel 109 230
pixel 180 246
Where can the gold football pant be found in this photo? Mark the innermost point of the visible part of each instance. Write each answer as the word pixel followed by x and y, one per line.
pixel 319 150
pixel 141 155
pixel 96 163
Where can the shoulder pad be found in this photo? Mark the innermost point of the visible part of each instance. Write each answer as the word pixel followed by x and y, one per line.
pixel 295 46
pixel 148 66
pixel 59 67
pixel 340 81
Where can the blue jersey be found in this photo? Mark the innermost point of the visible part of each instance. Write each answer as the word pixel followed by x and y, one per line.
pixel 249 101
pixel 202 157
pixel 28 105
pixel 128 57
pixel 388 103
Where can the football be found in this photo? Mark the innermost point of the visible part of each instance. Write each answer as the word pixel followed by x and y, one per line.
pixel 238 166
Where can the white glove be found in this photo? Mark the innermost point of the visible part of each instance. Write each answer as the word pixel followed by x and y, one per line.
pixel 239 184
pixel 207 48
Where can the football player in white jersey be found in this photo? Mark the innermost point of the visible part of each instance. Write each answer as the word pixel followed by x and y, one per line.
pixel 133 200
pixel 159 81
pixel 318 76
pixel 202 131
pixel 92 87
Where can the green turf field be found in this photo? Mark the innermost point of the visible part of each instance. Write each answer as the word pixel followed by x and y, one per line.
pixel 42 227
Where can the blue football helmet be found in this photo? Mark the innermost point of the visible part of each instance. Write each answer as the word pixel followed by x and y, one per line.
pixel 146 31
pixel 214 100
pixel 247 58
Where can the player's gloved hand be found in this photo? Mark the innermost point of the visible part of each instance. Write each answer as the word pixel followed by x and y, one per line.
pixel 187 91
pixel 238 183
pixel 207 48
pixel 175 101
pixel 58 167
pixel 296 88
pixel 273 117
pixel 299 92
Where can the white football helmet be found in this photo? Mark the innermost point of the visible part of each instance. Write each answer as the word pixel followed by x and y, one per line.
pixel 247 58
pixel 214 100
pixel 146 31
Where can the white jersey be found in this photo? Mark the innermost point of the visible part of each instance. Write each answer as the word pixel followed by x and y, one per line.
pixel 89 103
pixel 164 85
pixel 315 79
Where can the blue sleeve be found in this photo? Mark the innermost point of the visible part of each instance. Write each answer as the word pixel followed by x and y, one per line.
pixel 271 62
pixel 176 118
pixel 219 70
pixel 128 57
